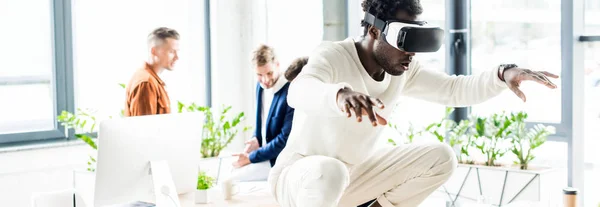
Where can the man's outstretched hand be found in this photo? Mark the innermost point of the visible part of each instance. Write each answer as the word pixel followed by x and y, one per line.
pixel 242 160
pixel 514 76
pixel 350 101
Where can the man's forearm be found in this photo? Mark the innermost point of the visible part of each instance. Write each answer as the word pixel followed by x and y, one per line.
pixel 456 91
pixel 311 95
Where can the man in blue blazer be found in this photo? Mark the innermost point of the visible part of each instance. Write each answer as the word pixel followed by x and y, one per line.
pixel 273 119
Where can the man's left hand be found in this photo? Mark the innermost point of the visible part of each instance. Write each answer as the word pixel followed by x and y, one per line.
pixel 514 76
pixel 251 145
pixel 242 160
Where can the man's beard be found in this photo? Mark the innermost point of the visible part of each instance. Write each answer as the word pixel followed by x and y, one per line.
pixel 386 65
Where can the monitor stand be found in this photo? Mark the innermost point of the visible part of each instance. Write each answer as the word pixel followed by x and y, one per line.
pixel 164 187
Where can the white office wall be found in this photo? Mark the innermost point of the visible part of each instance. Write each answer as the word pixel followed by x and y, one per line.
pixel 26 172
pixel 237 26
pixel 294 28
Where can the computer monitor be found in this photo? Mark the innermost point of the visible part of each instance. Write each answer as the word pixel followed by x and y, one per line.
pixel 128 145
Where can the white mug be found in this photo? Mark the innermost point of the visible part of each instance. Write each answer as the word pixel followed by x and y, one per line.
pixel 229 189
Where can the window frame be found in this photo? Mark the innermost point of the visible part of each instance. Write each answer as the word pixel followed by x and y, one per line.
pixel 570 129
pixel 61 79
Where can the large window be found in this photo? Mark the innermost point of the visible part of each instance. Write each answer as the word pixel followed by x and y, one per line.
pixel 108 49
pixel 532 42
pixel 26 83
pixel 290 31
pixel 63 54
pixel 405 113
pixel 592 105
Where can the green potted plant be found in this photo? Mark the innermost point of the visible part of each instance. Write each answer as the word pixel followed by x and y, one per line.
pixel 492 134
pixel 205 183
pixel 460 141
pixel 84 124
pixel 524 140
pixel 219 130
pixel 409 136
pixel 455 134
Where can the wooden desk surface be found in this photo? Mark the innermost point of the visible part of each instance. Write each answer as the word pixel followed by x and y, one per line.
pixel 258 197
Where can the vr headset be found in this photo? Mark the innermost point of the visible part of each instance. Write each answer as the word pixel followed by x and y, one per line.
pixel 409 36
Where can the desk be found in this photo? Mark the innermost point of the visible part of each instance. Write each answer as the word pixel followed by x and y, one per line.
pixel 254 199
pixel 252 194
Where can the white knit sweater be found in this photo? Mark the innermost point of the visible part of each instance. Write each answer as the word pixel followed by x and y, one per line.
pixel 321 128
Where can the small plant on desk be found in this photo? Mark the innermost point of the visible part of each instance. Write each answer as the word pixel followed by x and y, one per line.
pixel 205 182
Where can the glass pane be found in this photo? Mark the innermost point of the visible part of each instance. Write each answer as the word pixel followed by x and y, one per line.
pixel 592 105
pixel 532 42
pixel 284 18
pixel 26 52
pixel 110 48
pixel 592 121
pixel 405 114
pixel 28 27
pixel 26 108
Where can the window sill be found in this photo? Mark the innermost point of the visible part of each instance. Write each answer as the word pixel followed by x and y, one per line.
pixel 40 144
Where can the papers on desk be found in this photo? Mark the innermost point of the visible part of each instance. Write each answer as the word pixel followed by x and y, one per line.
pixel 135 204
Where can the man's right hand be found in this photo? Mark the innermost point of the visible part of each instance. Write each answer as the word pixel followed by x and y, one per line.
pixel 350 101
pixel 251 145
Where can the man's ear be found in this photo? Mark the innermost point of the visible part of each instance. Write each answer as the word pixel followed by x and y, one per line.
pixel 374 32
pixel 153 51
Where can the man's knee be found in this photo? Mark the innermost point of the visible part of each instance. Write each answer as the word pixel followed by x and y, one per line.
pixel 323 181
pixel 447 158
pixel 330 173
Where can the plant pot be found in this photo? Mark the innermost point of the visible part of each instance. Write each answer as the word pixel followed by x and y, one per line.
pixel 502 185
pixel 202 196
pixel 217 167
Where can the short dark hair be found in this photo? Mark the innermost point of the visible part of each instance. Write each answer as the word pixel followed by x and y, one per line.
pixel 263 55
pixel 387 9
pixel 295 68
pixel 161 34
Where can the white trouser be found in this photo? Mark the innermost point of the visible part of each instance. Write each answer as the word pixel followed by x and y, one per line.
pixel 395 176
pixel 252 172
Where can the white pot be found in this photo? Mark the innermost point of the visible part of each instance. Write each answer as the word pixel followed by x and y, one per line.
pixel 217 167
pixel 502 185
pixel 202 196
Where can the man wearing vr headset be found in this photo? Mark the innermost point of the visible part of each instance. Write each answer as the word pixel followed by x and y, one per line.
pixel 330 158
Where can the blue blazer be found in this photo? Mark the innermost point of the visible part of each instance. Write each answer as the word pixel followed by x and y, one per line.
pixel 279 125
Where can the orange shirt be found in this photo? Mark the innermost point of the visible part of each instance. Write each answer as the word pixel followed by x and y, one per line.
pixel 146 94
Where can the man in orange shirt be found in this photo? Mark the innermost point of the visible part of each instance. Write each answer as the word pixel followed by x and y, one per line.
pixel 146 94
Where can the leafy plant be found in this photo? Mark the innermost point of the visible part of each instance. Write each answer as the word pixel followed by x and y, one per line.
pixel 491 134
pixel 123 86
pixel 524 140
pixel 204 181
pixel 219 130
pixel 410 135
pixel 84 123
pixel 442 128
pixel 455 134
pixel 458 136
